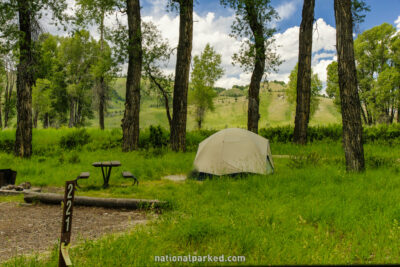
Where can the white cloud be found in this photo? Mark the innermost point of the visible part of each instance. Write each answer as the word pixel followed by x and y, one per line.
pixel 206 29
pixel 397 22
pixel 286 10
pixel 213 29
pixel 324 39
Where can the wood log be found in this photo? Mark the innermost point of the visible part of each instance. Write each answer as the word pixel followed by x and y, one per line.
pixel 115 203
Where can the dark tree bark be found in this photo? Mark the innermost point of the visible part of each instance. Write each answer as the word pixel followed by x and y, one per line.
pixel 130 122
pixel 102 102
pixel 304 74
pixel 23 140
pixel 46 121
pixel 182 69
pixel 350 103
pixel 114 203
pixel 102 89
pixel 363 115
pixel 253 115
pixel 200 112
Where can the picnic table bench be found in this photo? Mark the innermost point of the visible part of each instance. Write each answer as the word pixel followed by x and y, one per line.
pixel 106 167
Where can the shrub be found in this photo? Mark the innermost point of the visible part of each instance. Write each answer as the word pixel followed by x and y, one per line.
pixel 7 145
pixel 158 137
pixel 153 137
pixel 76 138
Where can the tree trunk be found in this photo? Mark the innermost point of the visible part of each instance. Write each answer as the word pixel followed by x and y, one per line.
pixel 253 114
pixel 71 113
pixel 369 116
pixel 115 203
pixel 304 74
pixel 200 112
pixel 350 103
pixel 102 98
pixel 363 115
pixel 46 121
pixel 23 139
pixel 130 122
pixel 182 69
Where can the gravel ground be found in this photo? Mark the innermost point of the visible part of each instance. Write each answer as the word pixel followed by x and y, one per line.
pixel 26 228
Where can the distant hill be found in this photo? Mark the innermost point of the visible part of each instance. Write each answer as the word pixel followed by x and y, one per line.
pixel 230 109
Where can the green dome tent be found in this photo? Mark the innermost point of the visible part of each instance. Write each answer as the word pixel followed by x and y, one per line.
pixel 233 151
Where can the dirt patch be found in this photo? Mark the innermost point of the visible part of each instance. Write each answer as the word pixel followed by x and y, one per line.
pixel 175 178
pixel 26 228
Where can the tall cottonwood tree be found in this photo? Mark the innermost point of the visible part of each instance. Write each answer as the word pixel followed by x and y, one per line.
pixel 304 73
pixel 182 70
pixel 130 122
pixel 95 12
pixel 350 103
pixel 18 22
pixel 253 18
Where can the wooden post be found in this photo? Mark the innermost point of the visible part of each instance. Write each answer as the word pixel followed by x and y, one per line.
pixel 68 203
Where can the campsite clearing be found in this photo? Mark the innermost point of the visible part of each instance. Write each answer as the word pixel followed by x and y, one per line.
pixel 27 229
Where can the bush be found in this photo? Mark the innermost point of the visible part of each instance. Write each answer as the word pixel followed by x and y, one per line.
pixel 158 137
pixel 76 138
pixel 7 145
pixel 153 137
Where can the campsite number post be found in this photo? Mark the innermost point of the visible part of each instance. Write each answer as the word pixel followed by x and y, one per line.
pixel 64 259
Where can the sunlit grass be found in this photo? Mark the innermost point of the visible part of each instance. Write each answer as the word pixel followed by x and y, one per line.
pixel 310 211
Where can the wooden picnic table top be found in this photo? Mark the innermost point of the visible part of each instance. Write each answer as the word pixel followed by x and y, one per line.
pixel 107 164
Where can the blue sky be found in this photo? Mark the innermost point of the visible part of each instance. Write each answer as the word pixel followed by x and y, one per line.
pixel 212 25
pixel 381 11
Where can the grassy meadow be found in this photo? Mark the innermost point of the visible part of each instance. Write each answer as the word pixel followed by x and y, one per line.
pixel 310 211
pixel 229 111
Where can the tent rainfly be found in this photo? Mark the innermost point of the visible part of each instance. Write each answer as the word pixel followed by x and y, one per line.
pixel 232 151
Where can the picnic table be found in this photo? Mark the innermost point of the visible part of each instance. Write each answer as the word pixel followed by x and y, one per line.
pixel 106 167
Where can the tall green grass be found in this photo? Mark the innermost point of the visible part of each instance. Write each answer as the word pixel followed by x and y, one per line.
pixel 316 214
pixel 310 211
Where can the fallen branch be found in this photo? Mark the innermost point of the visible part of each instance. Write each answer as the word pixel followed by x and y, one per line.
pixel 115 203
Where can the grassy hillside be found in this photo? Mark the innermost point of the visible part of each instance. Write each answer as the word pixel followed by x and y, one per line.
pixel 230 110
